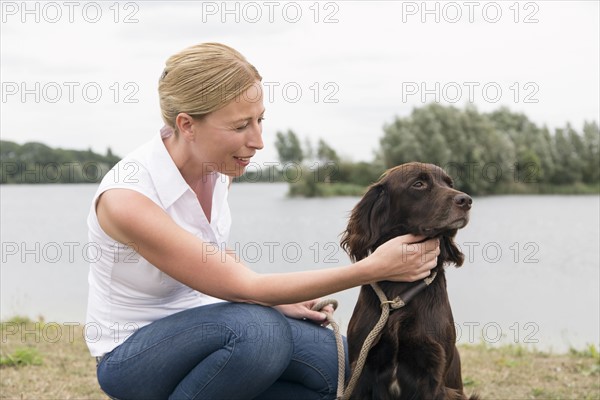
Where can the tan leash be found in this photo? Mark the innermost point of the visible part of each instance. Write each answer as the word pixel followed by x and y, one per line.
pixel 386 305
pixel 338 341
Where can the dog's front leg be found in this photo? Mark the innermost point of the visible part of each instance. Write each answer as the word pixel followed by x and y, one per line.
pixel 453 378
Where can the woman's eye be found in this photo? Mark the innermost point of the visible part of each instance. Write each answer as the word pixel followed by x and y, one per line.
pixel 241 128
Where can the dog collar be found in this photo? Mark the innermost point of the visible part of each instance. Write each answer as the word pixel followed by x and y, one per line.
pixel 399 302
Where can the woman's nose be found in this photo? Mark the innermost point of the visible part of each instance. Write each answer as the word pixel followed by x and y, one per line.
pixel 255 140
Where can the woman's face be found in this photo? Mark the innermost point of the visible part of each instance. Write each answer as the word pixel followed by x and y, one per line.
pixel 225 140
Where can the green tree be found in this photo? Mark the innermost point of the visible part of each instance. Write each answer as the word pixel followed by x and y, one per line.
pixel 309 151
pixel 399 143
pixel 288 147
pixel 568 166
pixel 591 153
pixel 533 161
pixel 464 142
pixel 37 163
pixel 325 153
pixel 487 154
pixel 359 173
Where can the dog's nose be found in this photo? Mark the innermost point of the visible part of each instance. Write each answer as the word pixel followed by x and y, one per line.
pixel 463 201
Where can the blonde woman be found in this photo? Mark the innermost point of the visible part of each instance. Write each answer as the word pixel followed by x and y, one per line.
pixel 170 313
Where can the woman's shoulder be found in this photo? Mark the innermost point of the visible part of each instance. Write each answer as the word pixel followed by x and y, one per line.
pixel 127 172
pixel 131 170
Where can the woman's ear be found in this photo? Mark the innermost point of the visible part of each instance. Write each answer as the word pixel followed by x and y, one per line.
pixel 185 124
pixel 366 222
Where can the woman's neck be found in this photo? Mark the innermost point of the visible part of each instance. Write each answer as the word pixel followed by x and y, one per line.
pixel 201 181
pixel 190 169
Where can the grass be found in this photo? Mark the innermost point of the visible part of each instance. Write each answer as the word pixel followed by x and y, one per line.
pixel 50 361
pixel 517 372
pixel 45 361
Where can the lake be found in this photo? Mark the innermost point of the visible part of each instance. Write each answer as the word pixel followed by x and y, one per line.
pixel 531 275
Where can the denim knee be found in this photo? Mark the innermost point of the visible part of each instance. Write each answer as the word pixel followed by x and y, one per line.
pixel 205 349
pixel 268 334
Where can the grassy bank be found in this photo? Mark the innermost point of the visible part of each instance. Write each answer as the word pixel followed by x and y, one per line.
pixel 50 361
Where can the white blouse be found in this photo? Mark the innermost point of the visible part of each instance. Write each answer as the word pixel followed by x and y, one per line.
pixel 126 292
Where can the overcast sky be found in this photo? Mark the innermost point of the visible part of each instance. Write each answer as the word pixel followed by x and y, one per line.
pixel 84 74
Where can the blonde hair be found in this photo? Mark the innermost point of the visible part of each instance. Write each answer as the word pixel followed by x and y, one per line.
pixel 202 79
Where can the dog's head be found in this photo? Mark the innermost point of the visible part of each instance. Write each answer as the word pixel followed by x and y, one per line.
pixel 410 198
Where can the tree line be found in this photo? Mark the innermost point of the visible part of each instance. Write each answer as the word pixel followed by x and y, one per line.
pixel 35 162
pixel 486 153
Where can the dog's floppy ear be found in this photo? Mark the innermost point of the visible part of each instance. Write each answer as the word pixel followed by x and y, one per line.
pixel 449 251
pixel 366 222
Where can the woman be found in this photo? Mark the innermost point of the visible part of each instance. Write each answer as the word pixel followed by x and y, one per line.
pixel 178 317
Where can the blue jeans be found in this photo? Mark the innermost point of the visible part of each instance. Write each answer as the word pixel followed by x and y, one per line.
pixel 223 351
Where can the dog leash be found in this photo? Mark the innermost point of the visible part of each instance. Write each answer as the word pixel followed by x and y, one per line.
pixel 372 337
pixel 338 341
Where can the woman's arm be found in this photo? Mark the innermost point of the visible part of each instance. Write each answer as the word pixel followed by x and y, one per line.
pixel 156 237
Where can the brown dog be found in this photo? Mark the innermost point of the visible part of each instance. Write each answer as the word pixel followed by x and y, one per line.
pixel 416 355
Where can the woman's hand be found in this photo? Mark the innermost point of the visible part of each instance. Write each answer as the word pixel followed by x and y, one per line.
pixel 304 311
pixel 402 259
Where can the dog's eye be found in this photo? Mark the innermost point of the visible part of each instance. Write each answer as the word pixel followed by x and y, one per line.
pixel 419 184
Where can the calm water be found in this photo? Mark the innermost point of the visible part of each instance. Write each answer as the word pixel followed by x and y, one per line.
pixel 532 274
